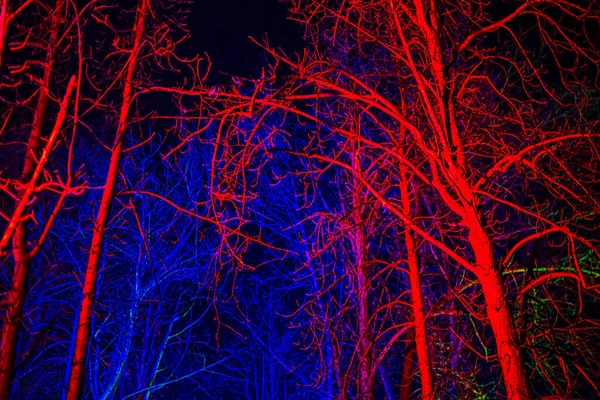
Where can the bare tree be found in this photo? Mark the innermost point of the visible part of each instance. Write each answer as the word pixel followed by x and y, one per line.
pixel 34 167
pixel 77 376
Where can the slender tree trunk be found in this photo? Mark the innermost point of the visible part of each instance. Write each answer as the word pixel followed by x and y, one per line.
pixel 499 314
pixel 12 318
pixel 501 322
pixel 159 356
pixel 7 14
pixel 408 367
pixel 421 342
pixel 123 354
pixel 513 368
pixel 77 377
pixel 31 166
pixel 18 291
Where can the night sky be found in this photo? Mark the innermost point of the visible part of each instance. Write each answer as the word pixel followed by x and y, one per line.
pixel 222 29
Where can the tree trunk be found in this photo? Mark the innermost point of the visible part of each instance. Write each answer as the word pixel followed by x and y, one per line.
pixel 421 343
pixel 408 367
pixel 420 331
pixel 82 340
pixel 22 259
pixel 499 314
pixel 12 318
pixel 32 166
pixel 20 251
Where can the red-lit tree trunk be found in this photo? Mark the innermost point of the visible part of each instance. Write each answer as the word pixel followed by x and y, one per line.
pixel 499 314
pixel 485 268
pixel 421 342
pixel 77 377
pixel 14 311
pixel 28 180
pixel 408 367
pixel 420 323
pixel 22 259
pixel 32 166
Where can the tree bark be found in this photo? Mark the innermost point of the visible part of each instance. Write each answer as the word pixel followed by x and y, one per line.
pixel 31 169
pixel 12 317
pixel 421 342
pixel 18 291
pixel 498 311
pixel 408 367
pixel 76 380
pixel 32 166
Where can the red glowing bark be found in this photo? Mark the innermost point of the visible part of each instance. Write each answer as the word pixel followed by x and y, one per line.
pixel 32 169
pixel 77 377
pixel 499 314
pixel 446 128
pixel 33 166
pixel 421 342
pixel 408 367
pixel 420 323
pixel 22 258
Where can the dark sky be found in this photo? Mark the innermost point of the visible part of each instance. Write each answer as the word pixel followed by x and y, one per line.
pixel 222 27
